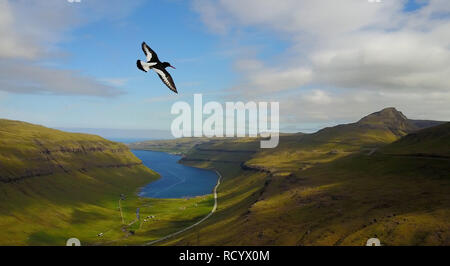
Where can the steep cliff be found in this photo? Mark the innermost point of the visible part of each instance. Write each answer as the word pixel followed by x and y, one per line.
pixel 28 150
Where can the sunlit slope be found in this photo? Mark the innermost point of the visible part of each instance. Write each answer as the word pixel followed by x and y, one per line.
pixel 402 200
pixel 55 185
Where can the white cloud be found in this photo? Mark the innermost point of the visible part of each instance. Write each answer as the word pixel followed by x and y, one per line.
pixel 210 14
pixel 117 82
pixel 30 33
pixel 258 77
pixel 321 17
pixel 12 44
pixel 19 77
pixel 359 56
pixel 32 29
pixel 318 97
pixel 395 60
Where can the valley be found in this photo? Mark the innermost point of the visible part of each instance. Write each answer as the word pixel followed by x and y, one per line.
pixel 383 176
pixel 56 185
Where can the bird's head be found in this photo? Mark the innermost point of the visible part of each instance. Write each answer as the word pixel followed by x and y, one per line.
pixel 167 64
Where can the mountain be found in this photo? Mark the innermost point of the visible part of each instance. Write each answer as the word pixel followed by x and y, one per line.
pixel 397 121
pixel 379 127
pixel 391 119
pixel 55 185
pixel 180 145
pixel 339 186
pixel 372 131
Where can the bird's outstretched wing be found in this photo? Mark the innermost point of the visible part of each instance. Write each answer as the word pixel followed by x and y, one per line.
pixel 166 78
pixel 149 53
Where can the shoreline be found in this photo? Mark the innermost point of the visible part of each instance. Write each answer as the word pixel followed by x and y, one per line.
pixel 213 210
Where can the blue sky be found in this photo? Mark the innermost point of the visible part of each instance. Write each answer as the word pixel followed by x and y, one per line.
pixel 107 50
pixel 80 59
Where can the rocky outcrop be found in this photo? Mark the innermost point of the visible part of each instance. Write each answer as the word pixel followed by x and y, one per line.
pixel 256 168
pixel 40 173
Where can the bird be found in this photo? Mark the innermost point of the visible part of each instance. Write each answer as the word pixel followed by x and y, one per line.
pixel 158 66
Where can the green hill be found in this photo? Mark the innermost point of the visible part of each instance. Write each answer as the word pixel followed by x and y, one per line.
pixel 54 185
pixel 28 151
pixel 434 141
pixel 421 124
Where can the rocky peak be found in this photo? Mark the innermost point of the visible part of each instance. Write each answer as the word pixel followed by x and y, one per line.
pixel 390 118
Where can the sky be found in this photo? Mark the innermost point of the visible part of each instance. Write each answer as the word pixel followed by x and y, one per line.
pixel 73 65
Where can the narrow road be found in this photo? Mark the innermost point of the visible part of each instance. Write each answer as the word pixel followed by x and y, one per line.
pixel 121 214
pixel 372 151
pixel 197 223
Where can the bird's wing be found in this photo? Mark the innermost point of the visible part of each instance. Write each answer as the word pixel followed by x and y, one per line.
pixel 140 65
pixel 149 53
pixel 166 78
pixel 144 66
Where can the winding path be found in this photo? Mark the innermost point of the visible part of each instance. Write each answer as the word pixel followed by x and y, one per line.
pixel 197 223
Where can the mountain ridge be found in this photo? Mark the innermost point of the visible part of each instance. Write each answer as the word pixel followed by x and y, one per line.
pixel 28 150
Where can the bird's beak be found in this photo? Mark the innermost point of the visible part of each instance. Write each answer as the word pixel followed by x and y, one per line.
pixel 173 67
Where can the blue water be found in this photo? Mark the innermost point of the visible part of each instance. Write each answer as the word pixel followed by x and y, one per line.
pixel 177 180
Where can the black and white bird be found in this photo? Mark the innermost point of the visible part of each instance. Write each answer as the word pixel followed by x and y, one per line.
pixel 160 68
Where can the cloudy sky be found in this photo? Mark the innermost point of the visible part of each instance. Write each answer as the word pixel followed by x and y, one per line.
pixel 72 65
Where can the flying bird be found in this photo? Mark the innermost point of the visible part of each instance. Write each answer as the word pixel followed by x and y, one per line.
pixel 160 68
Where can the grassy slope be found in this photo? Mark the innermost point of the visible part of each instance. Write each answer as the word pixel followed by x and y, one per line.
pixel 56 185
pixel 401 200
pixel 29 150
pixel 239 189
pixel 324 189
pixel 434 141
